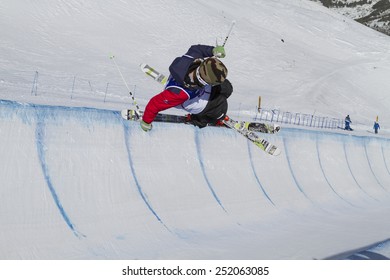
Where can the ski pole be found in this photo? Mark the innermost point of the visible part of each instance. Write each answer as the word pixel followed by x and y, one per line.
pixel 137 109
pixel 230 31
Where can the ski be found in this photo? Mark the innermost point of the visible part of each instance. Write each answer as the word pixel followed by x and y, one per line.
pixel 157 76
pixel 240 127
pixel 257 127
pixel 131 115
pixel 253 137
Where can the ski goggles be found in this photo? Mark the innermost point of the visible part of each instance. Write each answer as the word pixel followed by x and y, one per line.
pixel 199 77
pixel 201 81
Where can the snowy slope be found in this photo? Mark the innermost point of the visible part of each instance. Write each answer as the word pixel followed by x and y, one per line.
pixel 82 184
pixel 333 69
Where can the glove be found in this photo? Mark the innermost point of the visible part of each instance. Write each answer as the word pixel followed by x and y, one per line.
pixel 219 51
pixel 146 126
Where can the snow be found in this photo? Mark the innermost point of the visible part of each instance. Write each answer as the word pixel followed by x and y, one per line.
pixel 78 182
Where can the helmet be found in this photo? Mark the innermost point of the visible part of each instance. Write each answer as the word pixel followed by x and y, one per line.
pixel 211 71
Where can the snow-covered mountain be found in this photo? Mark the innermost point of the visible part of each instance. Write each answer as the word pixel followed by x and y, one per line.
pixel 373 13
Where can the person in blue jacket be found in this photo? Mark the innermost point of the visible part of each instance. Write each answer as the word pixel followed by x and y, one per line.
pixel 376 127
pixel 348 123
pixel 198 84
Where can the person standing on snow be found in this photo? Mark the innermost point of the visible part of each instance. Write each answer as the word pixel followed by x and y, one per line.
pixel 197 84
pixel 376 127
pixel 348 123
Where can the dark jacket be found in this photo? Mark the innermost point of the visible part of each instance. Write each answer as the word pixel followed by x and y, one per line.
pixel 217 106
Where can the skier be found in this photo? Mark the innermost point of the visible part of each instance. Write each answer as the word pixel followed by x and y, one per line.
pixel 197 84
pixel 348 123
pixel 376 127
